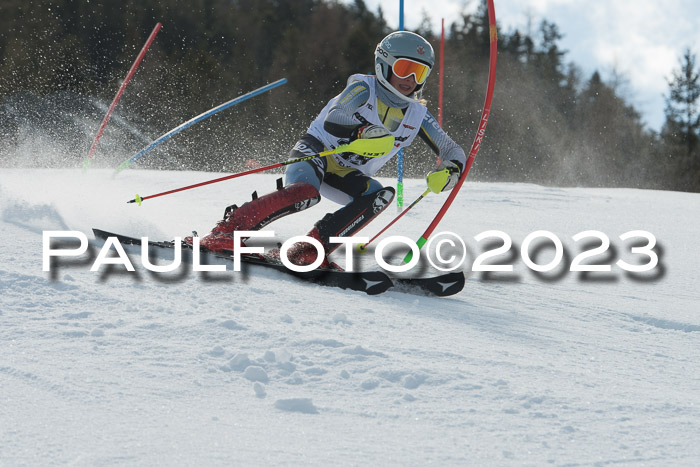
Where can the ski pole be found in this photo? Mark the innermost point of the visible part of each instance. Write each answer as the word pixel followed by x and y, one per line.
pixel 375 147
pixel 363 247
pixel 132 71
pixel 126 164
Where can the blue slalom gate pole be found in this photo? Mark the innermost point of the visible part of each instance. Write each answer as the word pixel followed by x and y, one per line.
pixel 198 119
pixel 399 161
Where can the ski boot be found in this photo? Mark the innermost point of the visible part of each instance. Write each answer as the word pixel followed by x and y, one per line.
pixel 304 253
pixel 256 214
pixel 345 222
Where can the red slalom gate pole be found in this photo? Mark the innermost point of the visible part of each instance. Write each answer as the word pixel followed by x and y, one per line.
pixel 493 37
pixel 131 73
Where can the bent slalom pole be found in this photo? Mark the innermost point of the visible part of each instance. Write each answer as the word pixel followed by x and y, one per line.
pixel 131 73
pixel 197 119
pixel 493 37
pixel 362 247
pixel 375 147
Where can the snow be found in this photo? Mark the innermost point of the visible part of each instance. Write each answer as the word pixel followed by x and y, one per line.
pixel 256 368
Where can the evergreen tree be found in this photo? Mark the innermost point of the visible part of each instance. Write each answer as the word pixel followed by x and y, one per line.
pixel 681 131
pixel 547 125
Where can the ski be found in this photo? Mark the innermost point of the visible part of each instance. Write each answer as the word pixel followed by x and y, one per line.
pixel 369 282
pixel 441 286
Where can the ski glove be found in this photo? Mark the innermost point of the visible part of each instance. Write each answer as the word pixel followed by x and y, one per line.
pixel 369 132
pixel 444 178
pixel 375 140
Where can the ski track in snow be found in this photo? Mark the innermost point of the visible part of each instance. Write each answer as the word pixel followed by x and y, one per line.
pixel 222 368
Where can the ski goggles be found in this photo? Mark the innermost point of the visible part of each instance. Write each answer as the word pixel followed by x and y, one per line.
pixel 405 67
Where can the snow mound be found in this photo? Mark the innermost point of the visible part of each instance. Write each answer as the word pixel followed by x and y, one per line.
pixel 300 405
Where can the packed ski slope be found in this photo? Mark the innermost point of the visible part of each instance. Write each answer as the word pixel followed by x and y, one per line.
pixel 255 368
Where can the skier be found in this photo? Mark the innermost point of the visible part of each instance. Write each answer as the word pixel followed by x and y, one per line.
pixel 370 107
